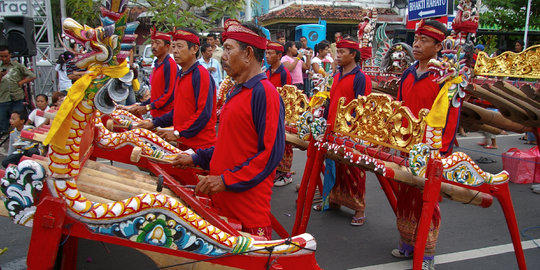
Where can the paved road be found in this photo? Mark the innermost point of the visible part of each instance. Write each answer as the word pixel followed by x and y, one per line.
pixel 471 237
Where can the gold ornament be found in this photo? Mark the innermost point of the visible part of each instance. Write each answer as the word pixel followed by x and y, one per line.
pixel 380 120
pixel 295 103
pixel 525 64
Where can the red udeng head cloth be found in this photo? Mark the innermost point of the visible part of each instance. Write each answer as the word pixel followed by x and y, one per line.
pixel 275 46
pixel 430 31
pixel 235 30
pixel 159 35
pixel 187 36
pixel 345 43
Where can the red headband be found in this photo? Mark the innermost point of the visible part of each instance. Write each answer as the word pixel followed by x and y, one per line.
pixel 344 43
pixel 235 30
pixel 187 36
pixel 159 35
pixel 275 46
pixel 430 31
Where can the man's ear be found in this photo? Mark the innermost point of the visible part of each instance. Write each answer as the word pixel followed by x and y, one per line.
pixel 249 52
pixel 438 46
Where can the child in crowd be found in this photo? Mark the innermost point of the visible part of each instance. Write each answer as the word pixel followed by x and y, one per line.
pixel 41 105
pixel 18 147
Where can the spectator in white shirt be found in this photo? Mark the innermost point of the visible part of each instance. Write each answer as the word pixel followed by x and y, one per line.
pixel 211 64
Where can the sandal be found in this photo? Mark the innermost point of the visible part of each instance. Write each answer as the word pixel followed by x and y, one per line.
pixel 531 143
pixel 482 143
pixel 318 207
pixel 485 160
pixel 358 221
pixel 490 147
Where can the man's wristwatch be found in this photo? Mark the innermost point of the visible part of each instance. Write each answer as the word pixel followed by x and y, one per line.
pixel 148 107
pixel 176 134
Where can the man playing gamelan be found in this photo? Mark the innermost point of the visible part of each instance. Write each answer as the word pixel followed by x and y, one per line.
pixel 350 182
pixel 162 81
pixel 418 90
pixel 194 115
pixel 280 76
pixel 251 136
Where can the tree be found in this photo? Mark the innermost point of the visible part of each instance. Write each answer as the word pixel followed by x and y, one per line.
pixel 509 15
pixel 186 13
pixel 198 14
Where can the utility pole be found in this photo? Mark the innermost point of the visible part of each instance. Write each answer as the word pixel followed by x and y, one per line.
pixel 527 24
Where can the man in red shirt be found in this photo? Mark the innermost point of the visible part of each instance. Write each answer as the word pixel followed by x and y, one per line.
pixel 194 113
pixel 277 73
pixel 162 81
pixel 251 136
pixel 348 185
pixel 418 90
pixel 280 76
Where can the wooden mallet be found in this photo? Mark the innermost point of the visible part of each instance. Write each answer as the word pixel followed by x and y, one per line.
pixel 136 155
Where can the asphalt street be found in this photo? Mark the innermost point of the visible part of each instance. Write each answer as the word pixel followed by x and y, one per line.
pixel 471 237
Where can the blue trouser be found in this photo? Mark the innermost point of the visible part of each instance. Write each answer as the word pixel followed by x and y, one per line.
pixel 6 108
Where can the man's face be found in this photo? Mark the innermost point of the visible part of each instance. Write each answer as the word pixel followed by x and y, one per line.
pixel 272 57
pixel 233 58
pixel 182 53
pixel 303 40
pixel 159 48
pixel 207 53
pixel 5 57
pixel 211 41
pixel 425 48
pixel 344 56
pixel 281 40
pixel 16 121
pixel 337 37
pixel 41 103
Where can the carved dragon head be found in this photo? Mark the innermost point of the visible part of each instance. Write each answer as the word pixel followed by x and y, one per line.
pixel 108 44
pixel 105 46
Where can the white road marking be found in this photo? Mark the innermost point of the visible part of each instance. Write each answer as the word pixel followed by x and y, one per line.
pixel 454 257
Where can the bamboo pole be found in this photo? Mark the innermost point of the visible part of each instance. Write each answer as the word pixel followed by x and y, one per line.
pixel 492 118
pixel 507 109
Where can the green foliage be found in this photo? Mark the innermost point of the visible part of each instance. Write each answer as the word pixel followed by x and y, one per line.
pixel 509 15
pixel 184 13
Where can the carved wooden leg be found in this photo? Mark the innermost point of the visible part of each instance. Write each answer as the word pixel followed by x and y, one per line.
pixel 430 197
pixel 388 191
pixel 69 253
pixel 278 228
pixel 46 233
pixel 503 194
pixel 306 192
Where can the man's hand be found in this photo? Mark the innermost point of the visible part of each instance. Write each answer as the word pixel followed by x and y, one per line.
pixel 147 124
pixel 211 69
pixel 210 185
pixel 137 110
pixel 182 160
pixel 166 134
pixel 21 83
